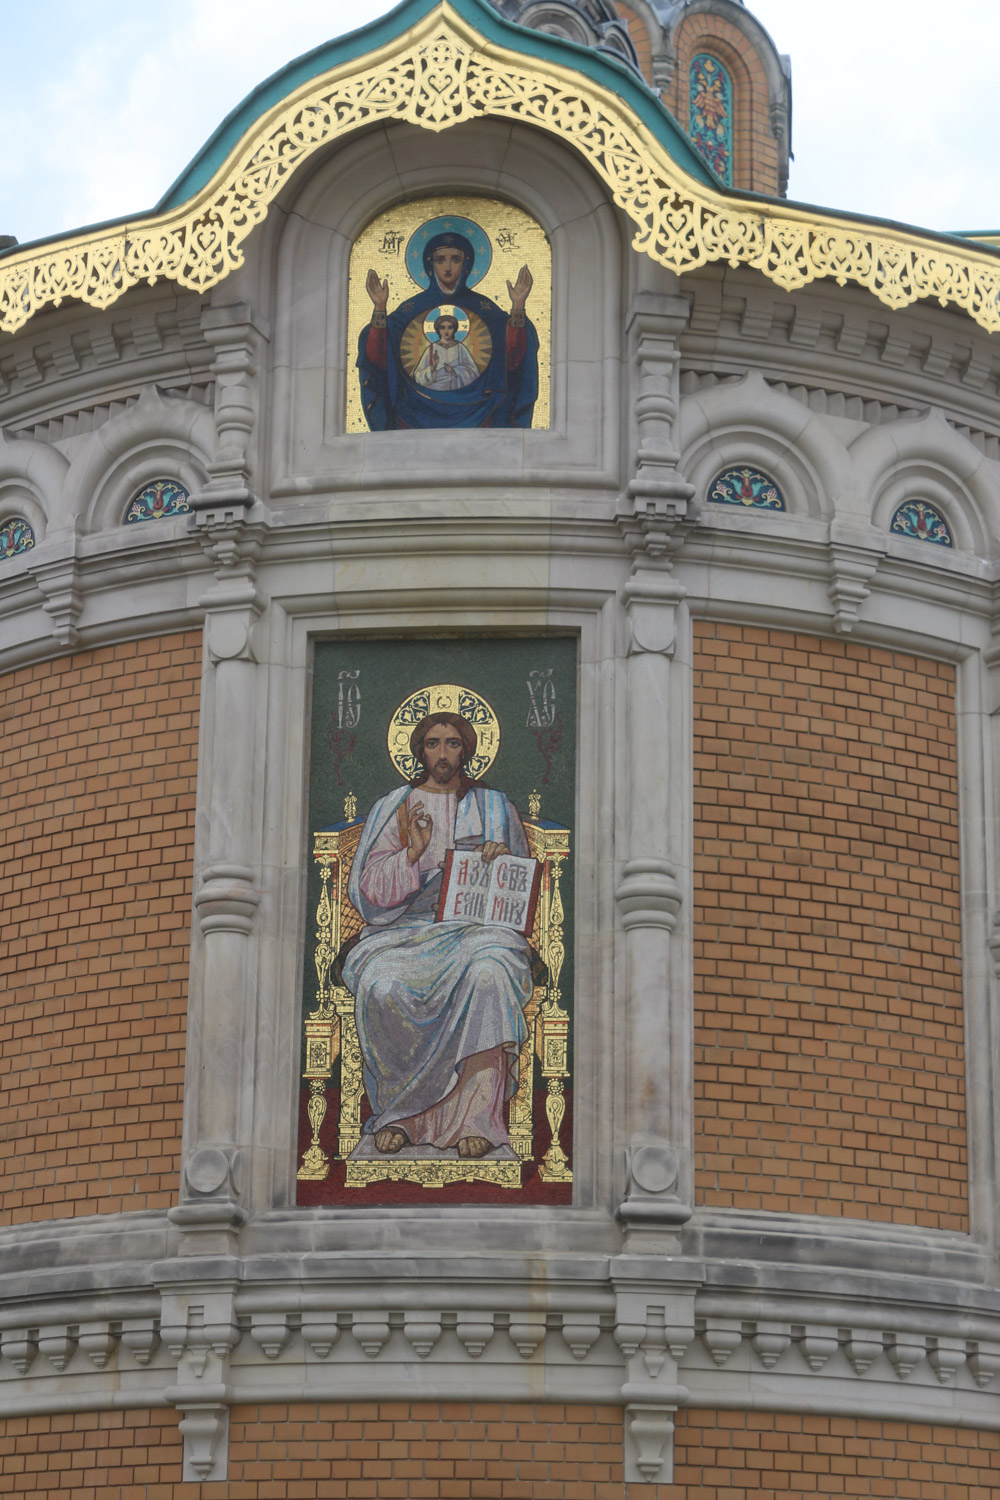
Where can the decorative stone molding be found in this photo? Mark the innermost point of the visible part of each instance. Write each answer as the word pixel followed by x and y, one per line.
pixel 271 1333
pixel 654 1326
pixel 19 1347
pixel 32 476
pixel 655 511
pixel 855 553
pixel 199 1328
pixel 227 899
pixel 98 1342
pixel 653 1337
pixel 895 461
pixel 209 1171
pixel 321 1333
pixel 580 1333
pixel 423 1331
pixel 749 421
pixel 654 517
pixel 153 437
pixel 648 894
pixel 59 582
pixel 650 598
pixel 235 333
pixel 57 1345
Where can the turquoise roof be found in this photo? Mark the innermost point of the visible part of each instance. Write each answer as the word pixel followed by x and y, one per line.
pixel 601 69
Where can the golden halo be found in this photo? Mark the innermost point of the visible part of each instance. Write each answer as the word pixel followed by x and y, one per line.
pixel 443 698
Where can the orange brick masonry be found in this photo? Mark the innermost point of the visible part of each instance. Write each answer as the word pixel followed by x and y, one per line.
pixel 829 1063
pixel 755 150
pixel 465 1451
pixel 99 756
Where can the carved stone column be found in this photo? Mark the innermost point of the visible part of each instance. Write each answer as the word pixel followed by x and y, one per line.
pixel 223 1005
pixel 220 1040
pixel 653 518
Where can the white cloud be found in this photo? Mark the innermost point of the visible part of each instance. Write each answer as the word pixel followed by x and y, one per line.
pixel 894 110
pixel 106 133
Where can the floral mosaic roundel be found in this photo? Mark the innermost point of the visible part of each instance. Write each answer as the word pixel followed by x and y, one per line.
pixel 16 536
pixel 922 522
pixel 157 500
pixel 748 487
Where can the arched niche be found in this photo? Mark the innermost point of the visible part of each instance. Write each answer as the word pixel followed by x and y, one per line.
pixel 747 422
pixel 32 480
pixel 161 437
pixel 312 450
pixel 928 460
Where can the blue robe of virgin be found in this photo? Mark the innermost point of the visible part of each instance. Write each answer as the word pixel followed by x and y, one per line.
pixel 499 398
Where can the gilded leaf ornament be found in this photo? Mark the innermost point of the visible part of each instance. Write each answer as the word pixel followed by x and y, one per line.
pixel 441 73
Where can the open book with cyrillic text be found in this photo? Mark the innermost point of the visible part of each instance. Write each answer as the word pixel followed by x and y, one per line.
pixel 501 892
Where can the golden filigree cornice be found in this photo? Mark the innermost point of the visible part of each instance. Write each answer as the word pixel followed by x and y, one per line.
pixel 442 73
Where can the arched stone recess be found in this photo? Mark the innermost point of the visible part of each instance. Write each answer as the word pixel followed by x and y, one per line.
pixel 32 477
pixel 749 423
pixel 761 87
pixel 741 100
pixel 161 437
pixel 595 23
pixel 928 460
pixel 312 452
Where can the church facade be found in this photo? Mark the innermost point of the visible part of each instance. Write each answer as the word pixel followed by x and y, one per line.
pixel 499 678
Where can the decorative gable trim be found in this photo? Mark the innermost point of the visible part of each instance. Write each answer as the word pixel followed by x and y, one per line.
pixel 443 72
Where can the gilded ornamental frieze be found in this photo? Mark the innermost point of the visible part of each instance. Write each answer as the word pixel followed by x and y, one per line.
pixel 440 73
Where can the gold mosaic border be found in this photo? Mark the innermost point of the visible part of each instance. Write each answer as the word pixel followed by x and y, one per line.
pixel 442 73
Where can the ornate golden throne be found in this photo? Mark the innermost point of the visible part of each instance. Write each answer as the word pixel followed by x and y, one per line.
pixel 331 1037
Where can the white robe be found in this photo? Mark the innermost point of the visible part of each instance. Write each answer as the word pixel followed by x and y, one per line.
pixel 455 368
pixel 430 997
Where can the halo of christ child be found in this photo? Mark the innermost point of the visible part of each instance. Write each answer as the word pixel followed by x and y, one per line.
pixel 442 969
pixel 449 356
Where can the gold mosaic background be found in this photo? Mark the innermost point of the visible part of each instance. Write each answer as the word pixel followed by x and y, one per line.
pixel 517 240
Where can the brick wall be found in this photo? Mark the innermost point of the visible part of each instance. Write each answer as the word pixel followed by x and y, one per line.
pixel 639 36
pixel 763 1455
pixel 461 1451
pixel 829 1061
pixel 107 1455
pixel 98 756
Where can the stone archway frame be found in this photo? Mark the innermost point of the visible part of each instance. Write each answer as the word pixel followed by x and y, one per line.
pixel 441 72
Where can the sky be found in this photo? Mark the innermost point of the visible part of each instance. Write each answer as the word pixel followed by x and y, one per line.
pixel 894 113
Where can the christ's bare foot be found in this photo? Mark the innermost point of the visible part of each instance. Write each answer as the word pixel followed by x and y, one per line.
pixel 473 1145
pixel 390 1140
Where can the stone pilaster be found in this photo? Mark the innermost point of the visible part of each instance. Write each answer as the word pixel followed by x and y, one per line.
pixel 227 894
pixel 653 519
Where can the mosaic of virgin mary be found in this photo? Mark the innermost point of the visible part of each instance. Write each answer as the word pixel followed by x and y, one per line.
pixel 448 357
